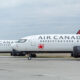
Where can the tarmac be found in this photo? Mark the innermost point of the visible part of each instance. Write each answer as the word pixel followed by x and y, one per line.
pixel 20 68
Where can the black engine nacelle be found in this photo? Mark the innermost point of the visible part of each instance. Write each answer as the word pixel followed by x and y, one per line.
pixel 16 53
pixel 76 51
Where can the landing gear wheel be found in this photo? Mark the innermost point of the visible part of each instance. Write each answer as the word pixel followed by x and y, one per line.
pixel 29 56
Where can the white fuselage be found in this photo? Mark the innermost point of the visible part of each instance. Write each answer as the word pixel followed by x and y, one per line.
pixel 5 45
pixel 48 42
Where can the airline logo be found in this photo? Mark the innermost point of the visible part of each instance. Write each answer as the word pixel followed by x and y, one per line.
pixel 78 32
pixel 41 46
pixel 59 37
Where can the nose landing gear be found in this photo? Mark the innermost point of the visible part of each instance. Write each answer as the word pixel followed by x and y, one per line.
pixel 31 55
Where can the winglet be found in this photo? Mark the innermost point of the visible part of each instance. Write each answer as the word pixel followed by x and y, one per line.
pixel 78 32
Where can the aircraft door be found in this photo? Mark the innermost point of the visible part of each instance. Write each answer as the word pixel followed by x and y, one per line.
pixel 33 43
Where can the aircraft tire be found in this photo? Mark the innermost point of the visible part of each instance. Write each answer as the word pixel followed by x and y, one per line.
pixel 29 58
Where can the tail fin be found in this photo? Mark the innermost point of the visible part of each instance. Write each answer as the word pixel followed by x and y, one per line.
pixel 78 32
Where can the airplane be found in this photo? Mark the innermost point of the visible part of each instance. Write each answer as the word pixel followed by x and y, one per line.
pixel 5 47
pixel 44 43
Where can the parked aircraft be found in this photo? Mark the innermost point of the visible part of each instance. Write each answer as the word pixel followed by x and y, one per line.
pixel 5 47
pixel 48 43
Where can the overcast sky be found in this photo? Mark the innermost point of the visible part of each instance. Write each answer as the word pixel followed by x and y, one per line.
pixel 19 18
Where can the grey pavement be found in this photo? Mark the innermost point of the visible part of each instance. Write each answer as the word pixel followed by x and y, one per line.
pixel 19 68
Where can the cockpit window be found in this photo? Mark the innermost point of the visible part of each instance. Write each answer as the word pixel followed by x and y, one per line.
pixel 21 41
